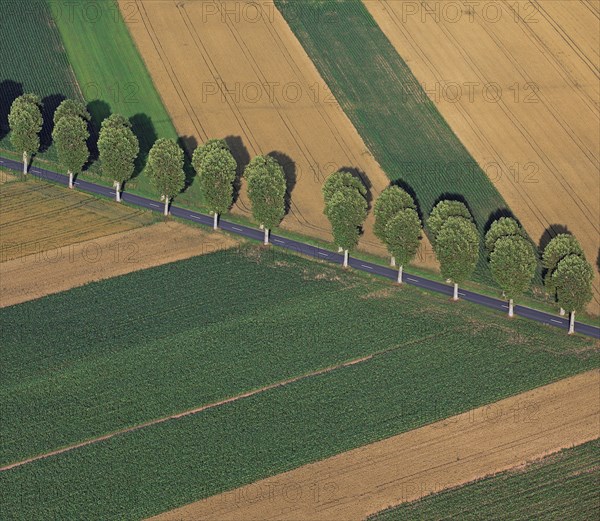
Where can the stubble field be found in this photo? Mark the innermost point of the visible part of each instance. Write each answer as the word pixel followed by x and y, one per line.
pixel 519 86
pixel 234 70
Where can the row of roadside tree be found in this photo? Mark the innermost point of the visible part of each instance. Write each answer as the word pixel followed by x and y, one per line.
pixel 512 257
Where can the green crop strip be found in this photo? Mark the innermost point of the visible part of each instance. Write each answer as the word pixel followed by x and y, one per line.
pixel 559 487
pixel 142 346
pixel 385 102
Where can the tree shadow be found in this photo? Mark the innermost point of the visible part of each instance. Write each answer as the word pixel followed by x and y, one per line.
pixel 242 157
pixel 498 214
pixel 49 106
pixel 144 130
pixel 552 231
pixel 410 191
pixel 188 144
pixel 9 91
pixel 289 171
pixel 359 174
pixel 99 110
pixel 598 261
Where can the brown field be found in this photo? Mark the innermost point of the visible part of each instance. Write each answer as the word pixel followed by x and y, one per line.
pixel 6 176
pixel 518 82
pixel 245 77
pixel 38 217
pixel 64 268
pixel 454 451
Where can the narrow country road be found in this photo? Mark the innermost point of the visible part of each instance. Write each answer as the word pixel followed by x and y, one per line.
pixel 312 251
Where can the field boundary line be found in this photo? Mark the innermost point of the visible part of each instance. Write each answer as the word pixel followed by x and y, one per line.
pixel 247 394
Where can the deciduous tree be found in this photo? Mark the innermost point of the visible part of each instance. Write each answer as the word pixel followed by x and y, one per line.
pixel 572 279
pixel 70 136
pixel 266 191
pixel 403 236
pixel 440 214
pixel 165 169
pixel 457 249
pixel 346 211
pixel 118 147
pixel 513 263
pixel 391 201
pixel 557 249
pixel 503 227
pixel 70 107
pixel 342 180
pixel 25 122
pixel 216 169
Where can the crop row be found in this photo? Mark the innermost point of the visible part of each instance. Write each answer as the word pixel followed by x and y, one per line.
pixel 563 486
pixel 181 461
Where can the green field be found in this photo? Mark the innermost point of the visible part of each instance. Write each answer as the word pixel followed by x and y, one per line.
pixel 401 126
pixel 141 346
pixel 112 75
pixel 559 487
pixel 33 60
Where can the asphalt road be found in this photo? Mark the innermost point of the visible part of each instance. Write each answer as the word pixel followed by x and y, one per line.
pixel 312 251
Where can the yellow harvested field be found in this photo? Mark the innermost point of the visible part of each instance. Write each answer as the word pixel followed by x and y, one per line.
pixel 235 70
pixel 37 217
pixel 67 267
pixel 451 452
pixel 6 177
pixel 519 83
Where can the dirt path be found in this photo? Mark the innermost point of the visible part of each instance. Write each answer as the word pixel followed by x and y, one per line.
pixel 518 82
pixel 60 269
pixel 454 451
pixel 235 70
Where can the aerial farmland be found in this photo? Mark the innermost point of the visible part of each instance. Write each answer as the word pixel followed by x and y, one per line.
pixel 299 260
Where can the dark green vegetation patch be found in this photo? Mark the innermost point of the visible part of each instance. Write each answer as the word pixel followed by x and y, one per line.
pixel 122 351
pixel 559 487
pixel 33 60
pixel 385 102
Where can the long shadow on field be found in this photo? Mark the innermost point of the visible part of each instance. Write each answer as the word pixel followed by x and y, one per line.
pixel 9 91
pixel 99 110
pixel 188 144
pixel 143 128
pixel 360 175
pixel 410 191
pixel 49 106
pixel 242 158
pixel 289 170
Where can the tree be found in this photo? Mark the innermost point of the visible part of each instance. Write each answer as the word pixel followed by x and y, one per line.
pixel 440 214
pixel 266 191
pixel 118 147
pixel 391 201
pixel 25 122
pixel 70 136
pixel 457 249
pixel 503 227
pixel 513 263
pixel 346 211
pixel 403 236
pixel 572 279
pixel 342 180
pixel 557 249
pixel 71 107
pixel 216 169
pixel 165 169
